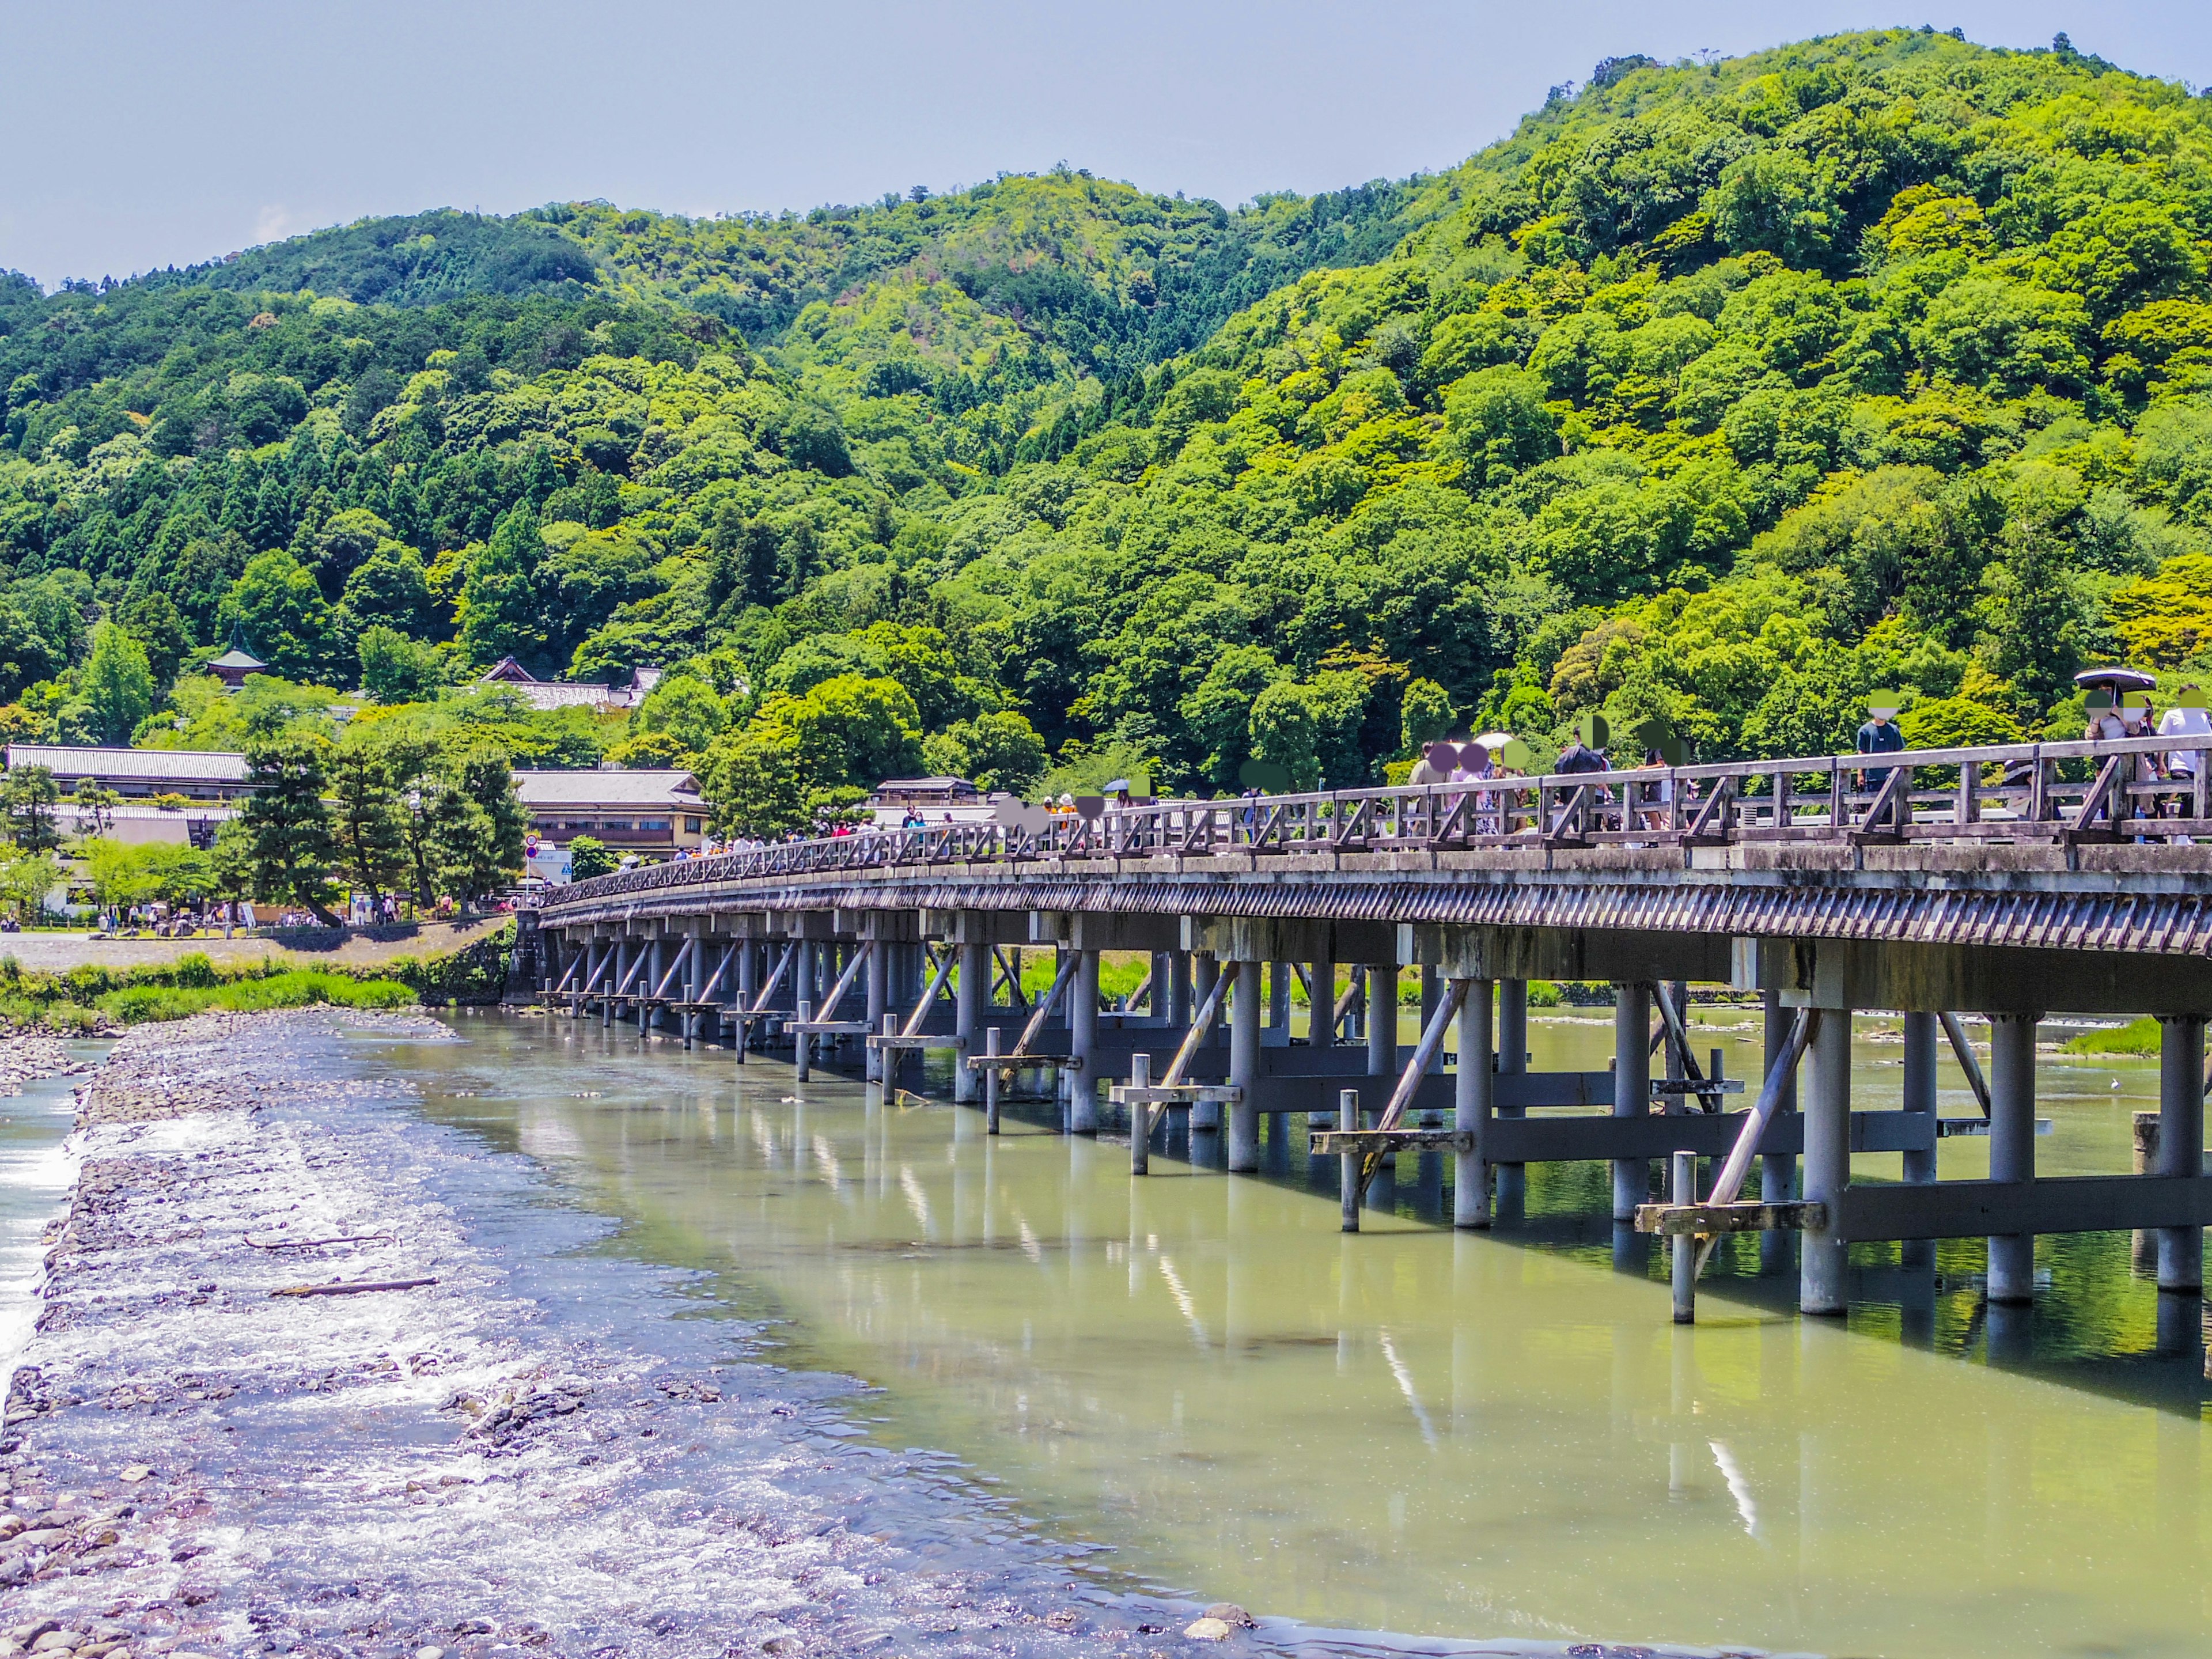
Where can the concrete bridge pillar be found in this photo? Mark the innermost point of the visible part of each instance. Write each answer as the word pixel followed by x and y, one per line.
pixel 1083 1046
pixel 748 972
pixel 1778 1171
pixel 1178 998
pixel 879 974
pixel 1381 1032
pixel 1278 1002
pixel 1244 1070
pixel 595 955
pixel 1321 1004
pixel 695 973
pixel 2012 1146
pixel 2180 1141
pixel 802 996
pixel 618 966
pixel 967 1017
pixel 1513 1059
pixel 1632 1089
pixel 1432 992
pixel 1470 1095
pixel 1820 1281
pixel 1205 969
pixel 1920 1088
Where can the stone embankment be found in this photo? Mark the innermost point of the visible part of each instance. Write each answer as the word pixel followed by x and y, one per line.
pixel 315 1375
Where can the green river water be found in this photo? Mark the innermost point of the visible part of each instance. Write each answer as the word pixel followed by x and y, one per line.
pixel 1411 1430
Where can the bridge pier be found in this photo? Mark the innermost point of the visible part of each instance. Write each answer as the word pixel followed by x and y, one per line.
pixel 1083 1046
pixel 1321 1003
pixel 968 999
pixel 2012 1146
pixel 1823 1257
pixel 2180 1142
pixel 1205 970
pixel 1513 1061
pixel 1244 1070
pixel 1778 1171
pixel 1632 1088
pixel 1471 1103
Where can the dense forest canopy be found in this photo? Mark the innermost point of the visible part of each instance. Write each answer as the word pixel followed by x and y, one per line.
pixel 1723 392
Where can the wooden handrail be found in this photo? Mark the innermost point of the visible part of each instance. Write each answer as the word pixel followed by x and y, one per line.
pixel 1712 802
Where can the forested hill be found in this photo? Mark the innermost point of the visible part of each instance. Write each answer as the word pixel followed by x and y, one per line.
pixel 1724 392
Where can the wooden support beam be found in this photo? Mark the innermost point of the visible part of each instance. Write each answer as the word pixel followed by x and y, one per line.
pixel 1687 1220
pixel 1363 1143
pixel 1174 1094
pixel 2064 1204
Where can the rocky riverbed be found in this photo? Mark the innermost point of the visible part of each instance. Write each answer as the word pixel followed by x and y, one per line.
pixel 307 1379
pixel 27 1059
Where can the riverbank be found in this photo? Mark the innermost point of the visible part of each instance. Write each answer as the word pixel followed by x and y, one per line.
pixel 200 1458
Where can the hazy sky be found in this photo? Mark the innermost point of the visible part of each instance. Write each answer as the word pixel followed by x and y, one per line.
pixel 145 135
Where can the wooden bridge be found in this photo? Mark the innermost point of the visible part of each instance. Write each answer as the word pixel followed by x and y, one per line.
pixel 2010 882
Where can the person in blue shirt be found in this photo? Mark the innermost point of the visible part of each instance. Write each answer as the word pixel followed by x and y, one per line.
pixel 1880 735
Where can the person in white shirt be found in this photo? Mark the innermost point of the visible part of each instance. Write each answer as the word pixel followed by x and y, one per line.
pixel 2187 718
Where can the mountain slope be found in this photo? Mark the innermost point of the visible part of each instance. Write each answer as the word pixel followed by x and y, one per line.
pixel 1720 393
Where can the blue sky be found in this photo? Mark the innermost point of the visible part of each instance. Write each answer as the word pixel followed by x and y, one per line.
pixel 141 136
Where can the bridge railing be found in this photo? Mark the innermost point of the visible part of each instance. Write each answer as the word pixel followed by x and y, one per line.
pixel 2046 791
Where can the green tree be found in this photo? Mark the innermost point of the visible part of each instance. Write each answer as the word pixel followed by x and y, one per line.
pixel 28 796
pixel 153 620
pixel 684 710
pixel 1285 730
pixel 395 669
pixel 281 613
pixel 115 691
pixel 480 832
pixel 501 614
pixel 120 874
pixel 390 587
pixel 994 751
pixel 1498 422
pixel 26 879
pixel 288 821
pixel 1424 715
pixel 2033 616
pixel 589 856
pixel 371 851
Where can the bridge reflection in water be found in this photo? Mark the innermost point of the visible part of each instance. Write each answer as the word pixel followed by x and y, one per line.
pixel 2009 883
pixel 1411 1429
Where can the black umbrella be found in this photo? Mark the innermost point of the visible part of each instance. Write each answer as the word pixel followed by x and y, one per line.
pixel 2117 679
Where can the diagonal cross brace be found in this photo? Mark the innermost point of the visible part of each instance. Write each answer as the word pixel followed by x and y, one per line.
pixel 1729 1182
pixel 1409 1081
pixel 929 993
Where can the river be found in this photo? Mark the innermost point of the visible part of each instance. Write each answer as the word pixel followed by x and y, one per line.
pixel 1411 1430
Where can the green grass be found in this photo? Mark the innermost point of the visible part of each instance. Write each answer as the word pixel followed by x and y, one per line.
pixel 2139 1038
pixel 298 988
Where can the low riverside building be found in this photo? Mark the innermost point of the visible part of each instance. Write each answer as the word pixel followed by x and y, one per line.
pixel 937 800
pixel 198 774
pixel 569 694
pixel 166 794
pixel 654 813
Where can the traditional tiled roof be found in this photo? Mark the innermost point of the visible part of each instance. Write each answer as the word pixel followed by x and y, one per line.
pixel 135 765
pixel 595 786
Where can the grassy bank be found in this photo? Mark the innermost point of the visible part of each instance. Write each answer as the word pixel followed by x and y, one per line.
pixel 296 987
pixel 91 997
pixel 2140 1038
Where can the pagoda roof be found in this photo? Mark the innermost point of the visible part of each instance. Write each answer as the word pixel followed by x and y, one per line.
pixel 235 658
